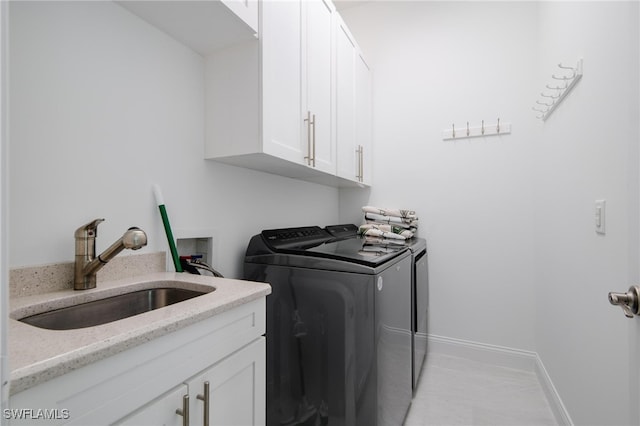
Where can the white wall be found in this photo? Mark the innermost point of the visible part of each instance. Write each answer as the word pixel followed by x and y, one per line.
pixel 434 64
pixel 103 106
pixel 588 150
pixel 514 257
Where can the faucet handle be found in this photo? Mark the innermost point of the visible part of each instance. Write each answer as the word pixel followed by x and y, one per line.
pixel 89 229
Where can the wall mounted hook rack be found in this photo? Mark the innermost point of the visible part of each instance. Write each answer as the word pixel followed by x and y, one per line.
pixel 560 91
pixel 463 132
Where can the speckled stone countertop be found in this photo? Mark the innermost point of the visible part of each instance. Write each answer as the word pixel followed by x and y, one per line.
pixel 37 355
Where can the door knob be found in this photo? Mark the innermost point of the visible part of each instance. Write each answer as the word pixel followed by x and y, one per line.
pixel 629 301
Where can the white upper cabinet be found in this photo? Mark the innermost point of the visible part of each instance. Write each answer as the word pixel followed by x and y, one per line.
pixel 353 109
pixel 345 124
pixel 296 82
pixel 364 120
pixel 247 10
pixel 286 91
pixel 203 26
pixel 281 49
pixel 317 78
pixel 271 103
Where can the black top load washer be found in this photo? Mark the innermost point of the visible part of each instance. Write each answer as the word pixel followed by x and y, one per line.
pixel 338 327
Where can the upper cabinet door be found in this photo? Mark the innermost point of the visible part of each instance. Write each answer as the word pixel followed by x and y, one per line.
pixel 364 118
pixel 353 109
pixel 281 80
pixel 345 125
pixel 316 70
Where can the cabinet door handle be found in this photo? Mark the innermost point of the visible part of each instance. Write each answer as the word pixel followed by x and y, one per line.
pixel 184 411
pixel 361 163
pixel 308 121
pixel 313 123
pixel 205 398
pixel 360 172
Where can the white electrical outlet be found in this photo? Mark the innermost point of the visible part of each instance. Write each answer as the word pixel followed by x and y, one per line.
pixel 600 216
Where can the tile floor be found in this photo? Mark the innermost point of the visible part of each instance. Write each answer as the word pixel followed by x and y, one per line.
pixel 457 391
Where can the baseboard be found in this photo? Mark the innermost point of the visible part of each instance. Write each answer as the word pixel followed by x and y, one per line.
pixel 504 357
pixel 553 397
pixel 482 352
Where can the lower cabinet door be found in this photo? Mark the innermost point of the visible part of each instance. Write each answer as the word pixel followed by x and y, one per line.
pixel 162 411
pixel 232 392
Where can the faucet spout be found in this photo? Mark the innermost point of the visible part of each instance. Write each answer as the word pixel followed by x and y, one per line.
pixel 87 264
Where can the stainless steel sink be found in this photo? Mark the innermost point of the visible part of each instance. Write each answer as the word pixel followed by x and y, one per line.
pixel 110 309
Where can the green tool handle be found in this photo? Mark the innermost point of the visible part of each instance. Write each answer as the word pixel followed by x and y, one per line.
pixel 170 240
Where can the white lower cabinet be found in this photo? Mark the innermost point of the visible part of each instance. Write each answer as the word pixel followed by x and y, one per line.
pixel 230 393
pixel 146 384
pixel 235 390
pixel 162 411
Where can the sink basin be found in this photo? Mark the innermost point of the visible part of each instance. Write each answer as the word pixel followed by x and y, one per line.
pixel 110 309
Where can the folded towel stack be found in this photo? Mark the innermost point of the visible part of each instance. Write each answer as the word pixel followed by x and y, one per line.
pixel 387 229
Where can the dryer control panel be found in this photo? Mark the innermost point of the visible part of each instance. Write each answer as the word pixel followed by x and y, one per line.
pixel 288 238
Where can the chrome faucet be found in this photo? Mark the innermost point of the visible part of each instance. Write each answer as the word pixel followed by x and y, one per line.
pixel 87 264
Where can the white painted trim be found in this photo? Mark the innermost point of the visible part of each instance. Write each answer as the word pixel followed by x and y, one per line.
pixel 502 356
pixel 489 354
pixel 553 397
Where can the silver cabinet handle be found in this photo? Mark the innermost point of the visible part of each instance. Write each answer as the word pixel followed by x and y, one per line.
pixel 308 121
pixel 311 139
pixel 206 399
pixel 358 160
pixel 184 411
pixel 629 301
pixel 360 174
pixel 361 163
pixel 313 123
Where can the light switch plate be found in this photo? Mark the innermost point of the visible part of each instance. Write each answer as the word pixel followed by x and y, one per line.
pixel 600 216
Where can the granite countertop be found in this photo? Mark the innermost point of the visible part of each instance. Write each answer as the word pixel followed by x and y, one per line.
pixel 37 355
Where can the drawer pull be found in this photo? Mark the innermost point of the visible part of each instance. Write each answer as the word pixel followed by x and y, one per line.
pixel 205 398
pixel 184 411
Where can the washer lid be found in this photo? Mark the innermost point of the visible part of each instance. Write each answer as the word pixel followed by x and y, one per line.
pixel 357 250
pixel 338 243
